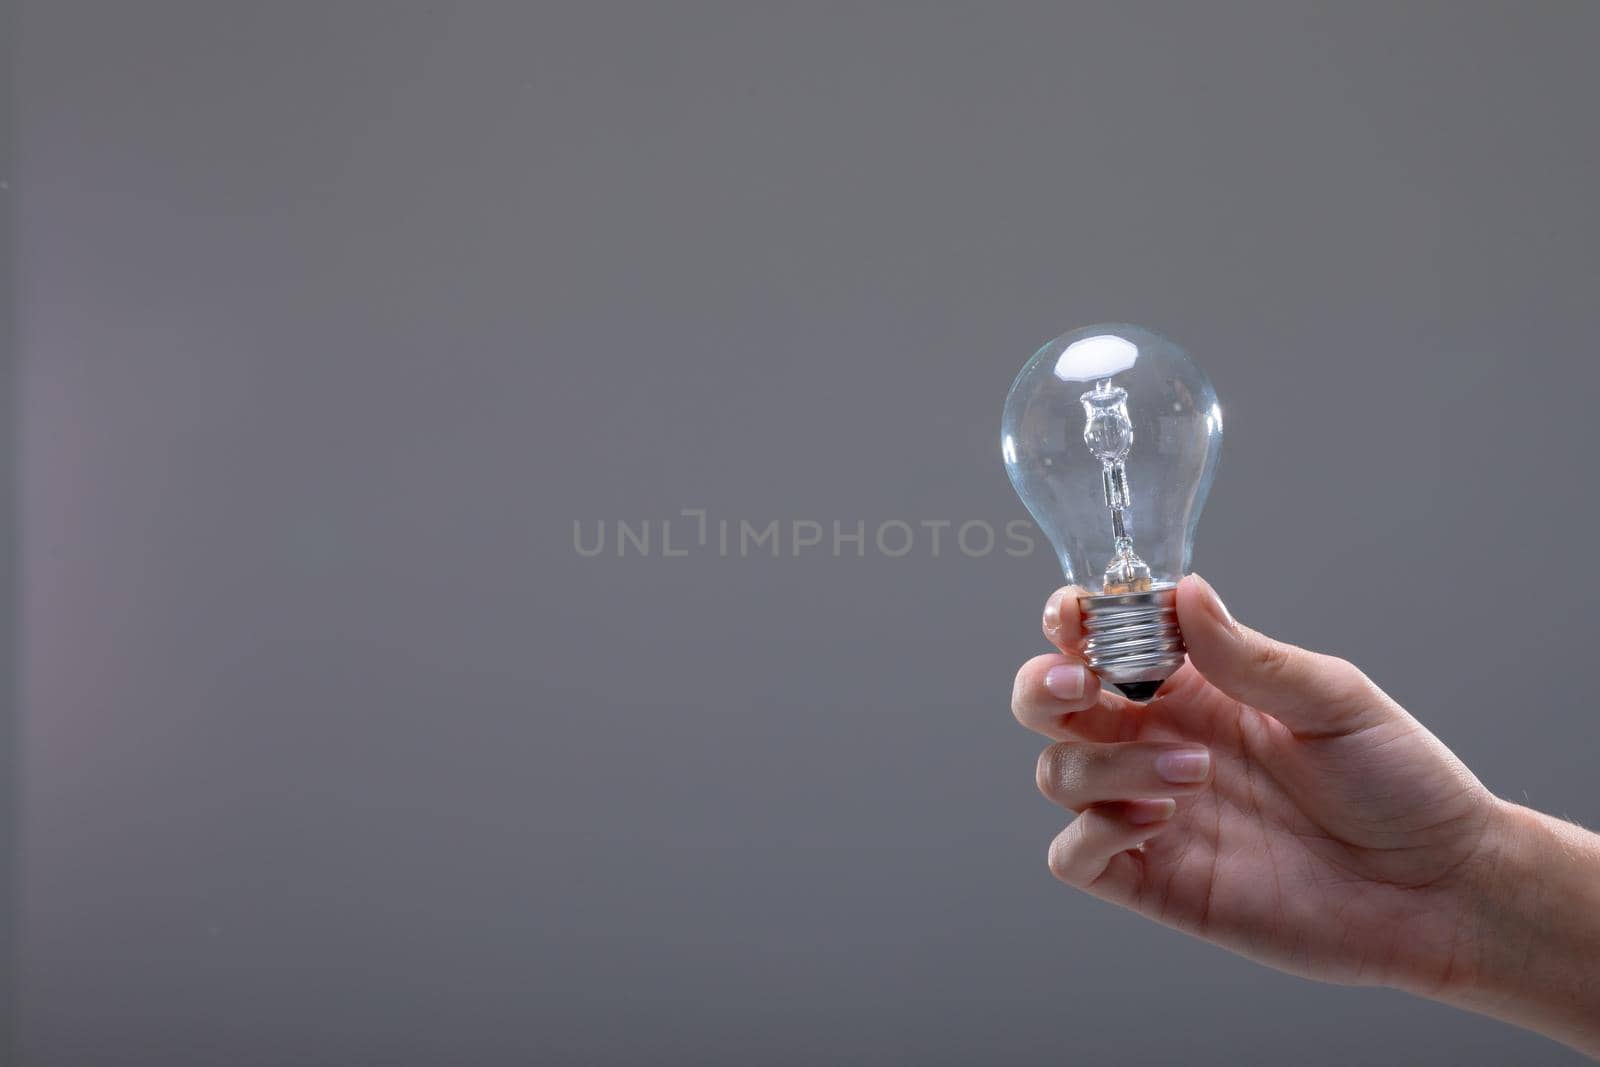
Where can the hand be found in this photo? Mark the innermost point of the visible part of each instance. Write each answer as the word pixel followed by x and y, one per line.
pixel 1269 799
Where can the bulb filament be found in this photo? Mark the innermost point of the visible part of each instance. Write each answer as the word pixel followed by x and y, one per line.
pixel 1108 432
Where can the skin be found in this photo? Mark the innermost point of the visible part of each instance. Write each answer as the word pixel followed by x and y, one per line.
pixel 1276 802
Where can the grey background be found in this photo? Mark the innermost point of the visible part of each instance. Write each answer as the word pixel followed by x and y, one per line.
pixel 335 317
pixel 10 764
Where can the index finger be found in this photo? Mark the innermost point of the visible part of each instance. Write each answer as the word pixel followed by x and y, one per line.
pixel 1063 622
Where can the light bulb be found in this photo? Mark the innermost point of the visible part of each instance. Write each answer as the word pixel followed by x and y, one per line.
pixel 1111 436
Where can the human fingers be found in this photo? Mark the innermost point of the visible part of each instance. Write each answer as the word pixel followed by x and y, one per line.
pixel 1080 774
pixel 1094 846
pixel 1312 694
pixel 1063 622
pixel 1051 688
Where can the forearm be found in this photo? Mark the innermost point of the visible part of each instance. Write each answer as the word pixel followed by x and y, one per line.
pixel 1535 956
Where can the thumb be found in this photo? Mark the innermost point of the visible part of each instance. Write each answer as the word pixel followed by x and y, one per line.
pixel 1308 692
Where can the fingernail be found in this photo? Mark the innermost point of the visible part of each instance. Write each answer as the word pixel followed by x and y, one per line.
pixel 1145 812
pixel 1184 767
pixel 1052 614
pixel 1065 681
pixel 1214 601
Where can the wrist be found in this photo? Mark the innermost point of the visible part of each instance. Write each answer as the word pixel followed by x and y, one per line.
pixel 1529 944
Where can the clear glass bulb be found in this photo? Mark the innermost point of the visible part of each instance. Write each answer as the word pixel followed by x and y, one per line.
pixel 1111 436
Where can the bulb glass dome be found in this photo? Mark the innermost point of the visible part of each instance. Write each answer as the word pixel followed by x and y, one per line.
pixel 1111 435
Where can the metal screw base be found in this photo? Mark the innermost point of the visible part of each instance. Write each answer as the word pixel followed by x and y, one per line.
pixel 1133 638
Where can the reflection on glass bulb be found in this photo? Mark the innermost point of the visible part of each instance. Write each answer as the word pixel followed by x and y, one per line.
pixel 1095 357
pixel 1129 459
